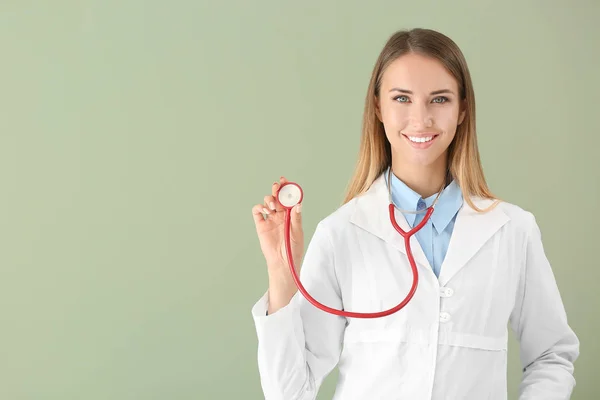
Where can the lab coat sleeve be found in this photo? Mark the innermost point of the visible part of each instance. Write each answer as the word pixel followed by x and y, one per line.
pixel 299 345
pixel 548 345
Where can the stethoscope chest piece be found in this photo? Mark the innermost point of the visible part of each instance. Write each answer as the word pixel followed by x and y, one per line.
pixel 290 194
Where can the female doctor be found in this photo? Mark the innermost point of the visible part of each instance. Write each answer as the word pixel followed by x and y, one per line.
pixel 480 261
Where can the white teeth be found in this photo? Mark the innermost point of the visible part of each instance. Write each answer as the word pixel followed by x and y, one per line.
pixel 420 139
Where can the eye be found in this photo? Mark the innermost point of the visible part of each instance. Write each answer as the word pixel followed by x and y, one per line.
pixel 401 99
pixel 443 99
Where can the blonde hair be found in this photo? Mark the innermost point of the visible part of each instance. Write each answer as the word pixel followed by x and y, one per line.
pixel 464 164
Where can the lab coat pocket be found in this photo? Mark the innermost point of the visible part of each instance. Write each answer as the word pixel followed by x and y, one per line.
pixel 476 360
pixel 490 354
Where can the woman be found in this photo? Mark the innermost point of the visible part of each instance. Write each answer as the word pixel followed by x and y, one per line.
pixel 481 261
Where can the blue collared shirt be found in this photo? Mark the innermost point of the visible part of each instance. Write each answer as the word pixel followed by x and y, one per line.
pixel 434 237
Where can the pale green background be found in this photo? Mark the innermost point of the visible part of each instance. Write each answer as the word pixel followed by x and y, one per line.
pixel 137 135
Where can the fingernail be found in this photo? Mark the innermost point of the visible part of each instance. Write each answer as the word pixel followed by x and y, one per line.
pixel 299 208
pixel 272 205
pixel 266 211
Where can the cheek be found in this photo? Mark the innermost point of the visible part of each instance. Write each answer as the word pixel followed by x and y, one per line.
pixel 395 117
pixel 445 119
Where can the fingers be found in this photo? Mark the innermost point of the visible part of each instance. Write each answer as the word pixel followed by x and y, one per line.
pixel 297 216
pixel 274 189
pixel 257 214
pixel 276 185
pixel 270 203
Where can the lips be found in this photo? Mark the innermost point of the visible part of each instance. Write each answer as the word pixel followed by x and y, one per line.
pixel 421 141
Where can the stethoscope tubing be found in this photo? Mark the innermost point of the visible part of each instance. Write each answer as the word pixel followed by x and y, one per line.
pixel 351 314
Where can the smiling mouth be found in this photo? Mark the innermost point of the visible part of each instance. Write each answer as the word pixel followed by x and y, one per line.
pixel 421 139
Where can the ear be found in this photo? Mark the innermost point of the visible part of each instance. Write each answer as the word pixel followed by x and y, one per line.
pixel 377 108
pixel 461 115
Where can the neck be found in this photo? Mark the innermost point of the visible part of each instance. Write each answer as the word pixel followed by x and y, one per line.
pixel 424 180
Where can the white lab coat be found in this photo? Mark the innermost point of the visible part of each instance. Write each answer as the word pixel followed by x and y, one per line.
pixel 449 342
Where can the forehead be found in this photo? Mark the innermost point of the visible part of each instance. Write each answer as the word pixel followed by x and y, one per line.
pixel 417 73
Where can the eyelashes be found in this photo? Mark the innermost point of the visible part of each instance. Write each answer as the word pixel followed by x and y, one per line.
pixel 443 99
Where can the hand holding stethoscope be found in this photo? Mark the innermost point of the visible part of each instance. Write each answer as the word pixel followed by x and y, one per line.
pixel 272 232
pixel 288 196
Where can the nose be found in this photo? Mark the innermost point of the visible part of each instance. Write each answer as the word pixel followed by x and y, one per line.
pixel 420 117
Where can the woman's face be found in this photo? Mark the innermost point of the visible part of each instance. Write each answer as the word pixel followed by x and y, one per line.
pixel 420 108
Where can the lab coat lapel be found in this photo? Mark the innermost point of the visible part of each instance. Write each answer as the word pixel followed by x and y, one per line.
pixel 472 229
pixel 372 214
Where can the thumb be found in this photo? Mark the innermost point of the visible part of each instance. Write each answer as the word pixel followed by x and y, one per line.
pixel 296 218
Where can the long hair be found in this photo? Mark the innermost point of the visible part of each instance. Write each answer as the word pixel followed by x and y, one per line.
pixel 375 154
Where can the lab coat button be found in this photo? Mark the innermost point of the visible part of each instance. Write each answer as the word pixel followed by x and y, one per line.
pixel 446 292
pixel 444 316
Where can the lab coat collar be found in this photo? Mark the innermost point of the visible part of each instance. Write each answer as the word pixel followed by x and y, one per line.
pixel 447 206
pixel 472 229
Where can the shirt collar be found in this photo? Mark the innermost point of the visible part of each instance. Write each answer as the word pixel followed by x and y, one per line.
pixel 446 207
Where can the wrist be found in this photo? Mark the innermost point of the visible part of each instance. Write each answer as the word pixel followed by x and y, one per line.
pixel 281 291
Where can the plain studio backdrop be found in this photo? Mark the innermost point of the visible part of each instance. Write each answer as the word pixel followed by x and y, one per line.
pixel 137 135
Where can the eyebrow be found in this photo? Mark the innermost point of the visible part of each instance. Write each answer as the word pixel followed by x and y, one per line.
pixel 432 93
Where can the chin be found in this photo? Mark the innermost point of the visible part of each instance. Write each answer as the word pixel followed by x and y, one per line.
pixel 422 158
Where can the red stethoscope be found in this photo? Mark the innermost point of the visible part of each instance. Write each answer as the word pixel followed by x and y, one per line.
pixel 290 194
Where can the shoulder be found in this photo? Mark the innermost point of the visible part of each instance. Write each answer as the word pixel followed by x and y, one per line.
pixel 519 219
